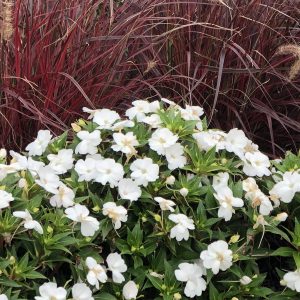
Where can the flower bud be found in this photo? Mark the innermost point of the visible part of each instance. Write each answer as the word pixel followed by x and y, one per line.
pixel 245 280
pixel 22 183
pixel 281 217
pixel 170 180
pixel 183 192
pixel 283 282
pixel 130 290
pixel 3 153
pixel 157 218
pixel 234 298
pixel 234 239
pixel 76 127
pixel 12 260
pixel 177 296
pixel 81 122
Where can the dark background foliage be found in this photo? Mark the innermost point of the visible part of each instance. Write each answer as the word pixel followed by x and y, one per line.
pixel 222 55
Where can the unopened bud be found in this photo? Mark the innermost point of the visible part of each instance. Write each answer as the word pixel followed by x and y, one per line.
pixel 245 280
pixel 183 192
pixel 157 218
pixel 22 183
pixel 234 239
pixel 12 260
pixel 170 180
pixel 281 217
pixel 76 127
pixel 177 296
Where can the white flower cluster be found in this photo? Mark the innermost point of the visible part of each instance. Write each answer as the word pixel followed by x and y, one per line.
pixel 85 161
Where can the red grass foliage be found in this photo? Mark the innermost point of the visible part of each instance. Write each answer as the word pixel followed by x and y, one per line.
pixel 220 54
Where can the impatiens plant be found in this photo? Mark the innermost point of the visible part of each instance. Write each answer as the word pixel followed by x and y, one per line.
pixel 156 206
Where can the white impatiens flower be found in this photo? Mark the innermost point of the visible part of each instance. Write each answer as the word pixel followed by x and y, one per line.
pixel 122 124
pixel 86 169
pixel 18 161
pixel 217 257
pixel 3 297
pixel 153 120
pixel 5 198
pixel 64 196
pixel 227 202
pixel 165 204
pixel 89 142
pixel 117 266
pixel 258 198
pixel 209 139
pixel 129 190
pixel 175 156
pixel 79 213
pixel 191 113
pixel 256 164
pixel 105 118
pixel 33 166
pixel 292 280
pixel 162 139
pixel 39 145
pixel 220 180
pixel 48 179
pixel 28 222
pixel 80 291
pixel 144 171
pixel 250 187
pixel 50 291
pixel 236 141
pixel 192 275
pixel 3 153
pixel 125 142
pixel 108 171
pixel 97 272
pixel 130 290
pixel 139 110
pixel 61 162
pixel 116 213
pixel 181 230
pixel 285 190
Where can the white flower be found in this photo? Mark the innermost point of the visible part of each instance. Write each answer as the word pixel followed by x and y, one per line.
pixel 33 166
pixel 61 162
pixel 162 139
pixel 208 139
pixel 80 291
pixel 117 266
pixel 250 186
pixel 183 192
pixel 258 198
pixel 192 275
pixel 22 183
pixel 64 196
pixel 3 153
pixel 170 180
pixel 165 204
pixel 50 291
pixel 122 124
pixel 130 290
pixel 3 297
pixel 5 198
pixel 181 230
pixel 96 272
pixel 260 221
pixel 79 213
pixel 129 190
pixel 227 203
pixel 217 257
pixel 175 156
pixel 285 190
pixel 86 169
pixel 236 141
pixel 144 171
pixel 48 179
pixel 153 120
pixel 245 280
pixel 90 111
pixel 105 118
pixel 256 164
pixel 139 110
pixel 89 142
pixel 18 162
pixel 220 180
pixel 108 171
pixel 292 280
pixel 191 113
pixel 118 214
pixel 39 145
pixel 125 142
pixel 29 223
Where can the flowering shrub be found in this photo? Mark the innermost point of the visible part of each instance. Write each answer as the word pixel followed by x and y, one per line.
pixel 155 206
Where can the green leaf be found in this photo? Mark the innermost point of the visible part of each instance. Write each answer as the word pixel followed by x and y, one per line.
pixel 213 292
pixel 105 296
pixel 283 251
